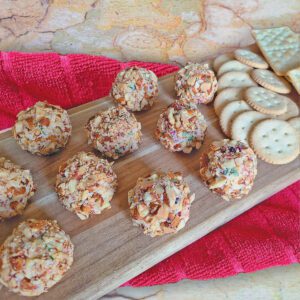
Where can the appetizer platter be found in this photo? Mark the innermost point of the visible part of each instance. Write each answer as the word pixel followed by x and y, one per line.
pixel 97 248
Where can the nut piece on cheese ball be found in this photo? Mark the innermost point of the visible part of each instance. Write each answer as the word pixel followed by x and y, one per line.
pixel 196 83
pixel 181 127
pixel 135 88
pixel 42 129
pixel 229 168
pixel 160 203
pixel 85 184
pixel 16 188
pixel 114 132
pixel 35 257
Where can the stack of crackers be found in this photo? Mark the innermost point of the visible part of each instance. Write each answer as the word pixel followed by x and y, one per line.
pixel 250 103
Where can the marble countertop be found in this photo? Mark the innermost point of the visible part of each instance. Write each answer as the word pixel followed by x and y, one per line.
pixel 151 30
pixel 277 283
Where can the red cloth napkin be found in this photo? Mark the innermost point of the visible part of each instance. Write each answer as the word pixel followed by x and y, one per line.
pixel 267 235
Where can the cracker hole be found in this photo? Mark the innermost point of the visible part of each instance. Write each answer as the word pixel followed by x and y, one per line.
pixel 276 140
pixel 279 151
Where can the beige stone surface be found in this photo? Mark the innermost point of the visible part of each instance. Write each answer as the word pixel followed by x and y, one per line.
pixel 151 30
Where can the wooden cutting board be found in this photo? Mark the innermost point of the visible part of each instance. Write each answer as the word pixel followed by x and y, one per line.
pixel 108 249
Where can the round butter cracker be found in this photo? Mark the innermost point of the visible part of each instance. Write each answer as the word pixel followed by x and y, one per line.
pixel 221 59
pixel 229 112
pixel 235 79
pixel 244 123
pixel 271 81
pixel 295 122
pixel 275 141
pixel 292 110
pixel 265 101
pixel 250 58
pixel 233 65
pixel 225 96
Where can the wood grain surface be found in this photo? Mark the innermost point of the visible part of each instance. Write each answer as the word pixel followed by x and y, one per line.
pixel 108 249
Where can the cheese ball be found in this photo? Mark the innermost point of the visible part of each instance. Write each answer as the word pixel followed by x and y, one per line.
pixel 229 168
pixel 135 88
pixel 42 129
pixel 16 188
pixel 114 132
pixel 181 127
pixel 35 257
pixel 196 83
pixel 160 203
pixel 85 184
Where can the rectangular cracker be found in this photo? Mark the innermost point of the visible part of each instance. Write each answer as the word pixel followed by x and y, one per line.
pixel 280 46
pixel 275 38
pixel 283 60
pixel 294 77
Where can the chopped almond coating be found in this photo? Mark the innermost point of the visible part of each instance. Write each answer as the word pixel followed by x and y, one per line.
pixel 229 168
pixel 196 83
pixel 35 257
pixel 114 132
pixel 86 184
pixel 16 188
pixel 42 129
pixel 160 203
pixel 135 88
pixel 181 127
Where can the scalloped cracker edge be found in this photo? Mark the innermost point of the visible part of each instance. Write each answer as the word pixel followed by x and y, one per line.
pixel 275 141
pixel 294 77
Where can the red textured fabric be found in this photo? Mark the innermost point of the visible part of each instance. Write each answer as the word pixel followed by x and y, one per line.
pixel 267 235
pixel 66 80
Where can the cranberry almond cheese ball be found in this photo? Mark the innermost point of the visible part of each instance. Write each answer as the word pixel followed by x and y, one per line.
pixel 196 83
pixel 229 168
pixel 35 257
pixel 135 88
pixel 160 203
pixel 114 132
pixel 181 127
pixel 86 184
pixel 16 188
pixel 42 129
